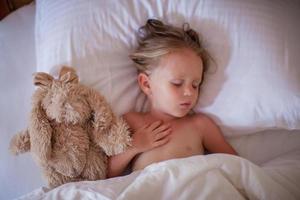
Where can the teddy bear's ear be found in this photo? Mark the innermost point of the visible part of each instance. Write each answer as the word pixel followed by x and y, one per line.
pixel 42 79
pixel 68 75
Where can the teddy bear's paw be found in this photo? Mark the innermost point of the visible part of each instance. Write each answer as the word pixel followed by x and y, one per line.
pixel 96 166
pixel 20 143
pixel 120 134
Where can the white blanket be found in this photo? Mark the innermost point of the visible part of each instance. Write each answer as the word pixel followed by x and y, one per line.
pixel 215 176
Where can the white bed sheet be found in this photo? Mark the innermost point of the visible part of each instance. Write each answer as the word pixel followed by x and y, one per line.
pixel 20 175
pixel 216 176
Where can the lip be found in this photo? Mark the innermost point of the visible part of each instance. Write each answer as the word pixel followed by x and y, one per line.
pixel 185 105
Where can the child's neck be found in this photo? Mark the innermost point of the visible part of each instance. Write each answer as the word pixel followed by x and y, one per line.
pixel 158 115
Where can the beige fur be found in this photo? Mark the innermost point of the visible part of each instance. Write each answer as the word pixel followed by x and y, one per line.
pixel 72 130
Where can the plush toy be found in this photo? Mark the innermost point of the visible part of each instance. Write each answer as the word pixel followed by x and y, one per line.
pixel 72 130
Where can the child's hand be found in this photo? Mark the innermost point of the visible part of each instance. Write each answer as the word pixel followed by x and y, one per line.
pixel 151 136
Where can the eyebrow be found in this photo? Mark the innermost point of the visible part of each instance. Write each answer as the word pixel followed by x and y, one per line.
pixel 194 80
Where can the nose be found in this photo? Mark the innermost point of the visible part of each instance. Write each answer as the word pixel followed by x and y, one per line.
pixel 188 91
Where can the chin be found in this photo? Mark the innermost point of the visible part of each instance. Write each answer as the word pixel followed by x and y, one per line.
pixel 180 114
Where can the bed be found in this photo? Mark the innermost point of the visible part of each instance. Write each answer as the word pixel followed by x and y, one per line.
pixel 253 93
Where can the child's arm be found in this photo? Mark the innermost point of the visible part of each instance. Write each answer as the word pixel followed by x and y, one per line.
pixel 213 139
pixel 118 163
pixel 144 139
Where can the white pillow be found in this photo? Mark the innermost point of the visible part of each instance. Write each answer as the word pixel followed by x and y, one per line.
pixel 255 44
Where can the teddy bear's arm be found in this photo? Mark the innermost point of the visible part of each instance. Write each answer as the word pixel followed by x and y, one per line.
pixel 40 133
pixel 117 139
pixel 109 132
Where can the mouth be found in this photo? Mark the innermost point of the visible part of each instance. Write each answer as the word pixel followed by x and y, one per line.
pixel 185 105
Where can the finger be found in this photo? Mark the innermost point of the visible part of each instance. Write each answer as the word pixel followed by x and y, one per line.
pixel 163 134
pixel 162 128
pixel 161 142
pixel 154 125
pixel 145 126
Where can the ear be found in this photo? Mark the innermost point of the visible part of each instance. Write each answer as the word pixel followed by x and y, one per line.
pixel 144 83
pixel 42 80
pixel 68 75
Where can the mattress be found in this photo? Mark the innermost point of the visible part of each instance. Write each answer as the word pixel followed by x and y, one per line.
pixel 20 175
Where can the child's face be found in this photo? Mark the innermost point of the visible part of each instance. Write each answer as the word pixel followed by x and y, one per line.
pixel 174 84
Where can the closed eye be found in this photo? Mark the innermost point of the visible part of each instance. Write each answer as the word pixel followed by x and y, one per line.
pixel 195 86
pixel 177 84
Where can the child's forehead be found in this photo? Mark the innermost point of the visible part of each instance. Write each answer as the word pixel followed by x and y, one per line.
pixel 181 63
pixel 184 75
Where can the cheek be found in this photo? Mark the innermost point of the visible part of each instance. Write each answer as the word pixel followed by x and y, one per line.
pixel 196 98
pixel 171 93
pixel 164 92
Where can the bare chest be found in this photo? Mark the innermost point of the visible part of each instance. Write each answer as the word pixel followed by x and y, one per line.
pixel 185 141
pixel 184 138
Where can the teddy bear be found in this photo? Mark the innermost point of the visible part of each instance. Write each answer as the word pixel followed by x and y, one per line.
pixel 72 130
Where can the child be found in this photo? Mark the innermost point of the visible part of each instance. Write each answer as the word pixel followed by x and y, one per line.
pixel 171 64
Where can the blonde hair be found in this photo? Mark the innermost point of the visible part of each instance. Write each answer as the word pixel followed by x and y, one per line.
pixel 156 39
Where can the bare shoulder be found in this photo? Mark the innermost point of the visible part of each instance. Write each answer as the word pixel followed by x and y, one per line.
pixel 133 118
pixel 213 139
pixel 130 115
pixel 202 121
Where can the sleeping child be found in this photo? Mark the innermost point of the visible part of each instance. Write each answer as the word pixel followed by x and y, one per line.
pixel 171 63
